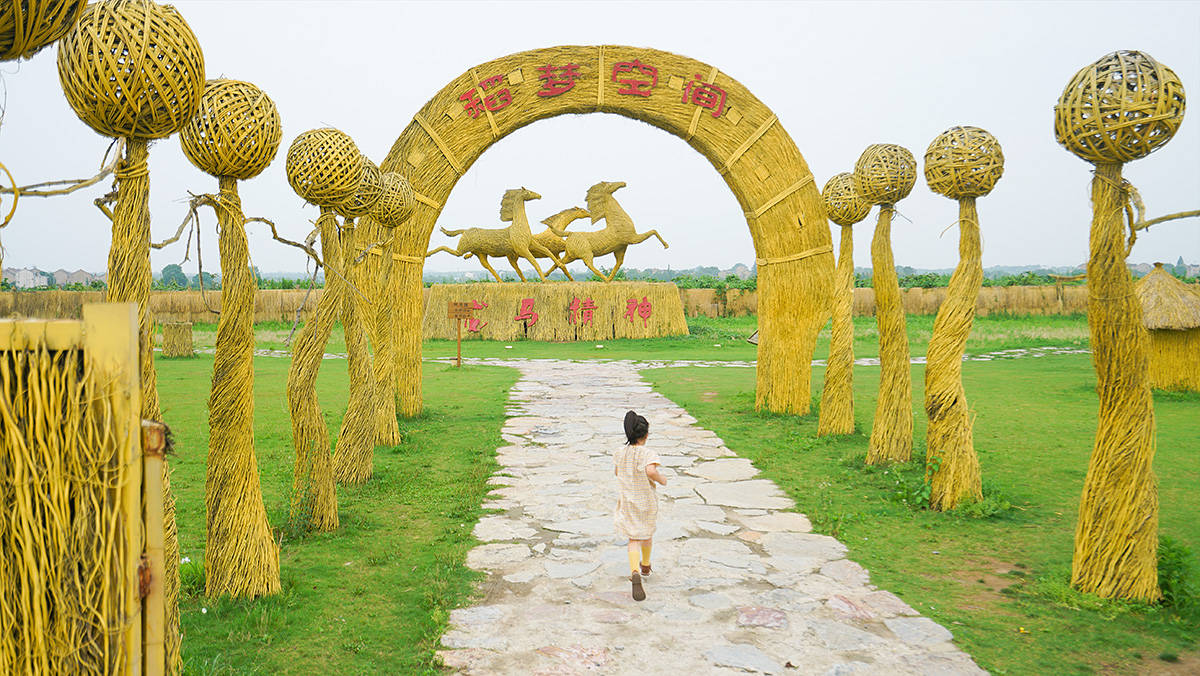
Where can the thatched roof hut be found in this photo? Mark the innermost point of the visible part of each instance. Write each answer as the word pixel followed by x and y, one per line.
pixel 1171 313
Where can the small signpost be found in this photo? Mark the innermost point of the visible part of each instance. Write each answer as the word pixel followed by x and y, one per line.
pixel 460 312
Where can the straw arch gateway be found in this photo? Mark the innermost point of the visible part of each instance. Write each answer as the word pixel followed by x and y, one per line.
pixel 714 113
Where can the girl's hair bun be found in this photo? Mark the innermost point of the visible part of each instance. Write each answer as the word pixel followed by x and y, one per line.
pixel 636 427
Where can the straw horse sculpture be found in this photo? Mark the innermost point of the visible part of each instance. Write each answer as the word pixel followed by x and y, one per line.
pixel 617 235
pixel 551 240
pixel 515 241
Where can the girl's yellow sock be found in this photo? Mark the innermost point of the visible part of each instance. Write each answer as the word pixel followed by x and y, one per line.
pixel 646 554
pixel 633 559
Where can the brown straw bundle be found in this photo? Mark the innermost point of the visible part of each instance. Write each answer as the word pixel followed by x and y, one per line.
pixel 1122 107
pixel 394 207
pixel 234 135
pixel 134 69
pixel 962 163
pixel 355 445
pixel 884 175
pixel 1171 313
pixel 27 26
pixel 177 339
pixel 736 132
pixel 320 166
pixel 845 207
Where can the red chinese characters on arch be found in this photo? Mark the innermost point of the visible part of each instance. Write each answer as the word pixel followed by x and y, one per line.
pixel 474 324
pixel 584 309
pixel 642 309
pixel 526 313
pixel 477 99
pixel 557 79
pixel 707 96
pixel 639 79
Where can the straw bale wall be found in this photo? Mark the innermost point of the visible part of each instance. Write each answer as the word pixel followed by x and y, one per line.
pixel 275 305
pixel 1175 359
pixel 660 315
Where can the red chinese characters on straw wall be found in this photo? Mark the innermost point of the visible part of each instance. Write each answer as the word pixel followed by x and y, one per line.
pixel 642 309
pixel 636 78
pixel 474 324
pixel 526 314
pixel 585 310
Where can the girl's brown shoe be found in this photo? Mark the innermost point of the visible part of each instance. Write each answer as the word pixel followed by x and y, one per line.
pixel 645 570
pixel 639 594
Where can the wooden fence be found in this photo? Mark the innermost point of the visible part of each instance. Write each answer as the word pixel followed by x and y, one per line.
pixel 281 304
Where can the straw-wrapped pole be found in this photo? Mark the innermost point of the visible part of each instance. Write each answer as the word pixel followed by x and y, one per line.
pixel 962 163
pixel 234 135
pixel 845 207
pixel 325 168
pixel 356 440
pixel 884 175
pixel 314 496
pixel 241 558
pixel 1120 108
pixel 395 206
pixel 151 93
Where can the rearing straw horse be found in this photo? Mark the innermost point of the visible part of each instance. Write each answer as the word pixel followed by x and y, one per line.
pixel 515 241
pixel 555 224
pixel 617 235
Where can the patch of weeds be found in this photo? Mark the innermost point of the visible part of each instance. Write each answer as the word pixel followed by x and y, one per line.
pixel 1168 657
pixel 994 504
pixel 1172 395
pixel 191 579
pixel 1177 578
pixel 828 518
pixel 1056 588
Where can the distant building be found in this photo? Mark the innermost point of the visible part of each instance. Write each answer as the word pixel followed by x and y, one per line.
pixel 27 278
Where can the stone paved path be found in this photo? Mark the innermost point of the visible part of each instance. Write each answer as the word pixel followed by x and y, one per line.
pixel 740 583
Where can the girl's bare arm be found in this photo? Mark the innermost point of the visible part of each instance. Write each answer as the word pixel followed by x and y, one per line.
pixel 653 474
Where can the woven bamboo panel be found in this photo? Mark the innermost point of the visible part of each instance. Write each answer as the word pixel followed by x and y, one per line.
pixel 655 311
pixel 739 135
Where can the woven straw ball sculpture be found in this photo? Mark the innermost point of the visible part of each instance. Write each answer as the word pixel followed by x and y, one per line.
pixel 324 166
pixel 963 162
pixel 236 132
pixel 26 26
pixel 396 203
pixel 842 201
pixel 885 173
pixel 1120 108
pixel 132 68
pixel 370 188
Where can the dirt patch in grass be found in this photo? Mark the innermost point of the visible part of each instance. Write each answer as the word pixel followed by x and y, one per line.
pixel 984 578
pixel 708 396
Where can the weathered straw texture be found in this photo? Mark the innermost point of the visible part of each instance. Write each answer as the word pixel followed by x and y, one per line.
pixel 177 340
pixel 314 494
pixel 394 207
pixel 884 174
pixel 355 449
pixel 1171 312
pixel 962 163
pixel 69 544
pixel 324 166
pixel 1120 108
pixel 241 558
pixel 132 68
pixel 369 190
pixel 745 142
pixel 845 207
pixel 26 26
pixel 235 132
pixel 551 303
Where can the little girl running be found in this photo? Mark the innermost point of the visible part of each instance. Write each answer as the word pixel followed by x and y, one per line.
pixel 637 469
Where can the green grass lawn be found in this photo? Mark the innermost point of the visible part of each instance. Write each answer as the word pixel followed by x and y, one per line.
pixel 720 339
pixel 998 583
pixel 372 597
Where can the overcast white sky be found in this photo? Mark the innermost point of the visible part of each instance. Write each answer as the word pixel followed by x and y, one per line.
pixel 840 76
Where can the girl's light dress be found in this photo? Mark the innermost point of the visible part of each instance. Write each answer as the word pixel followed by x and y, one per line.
pixel 637 501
